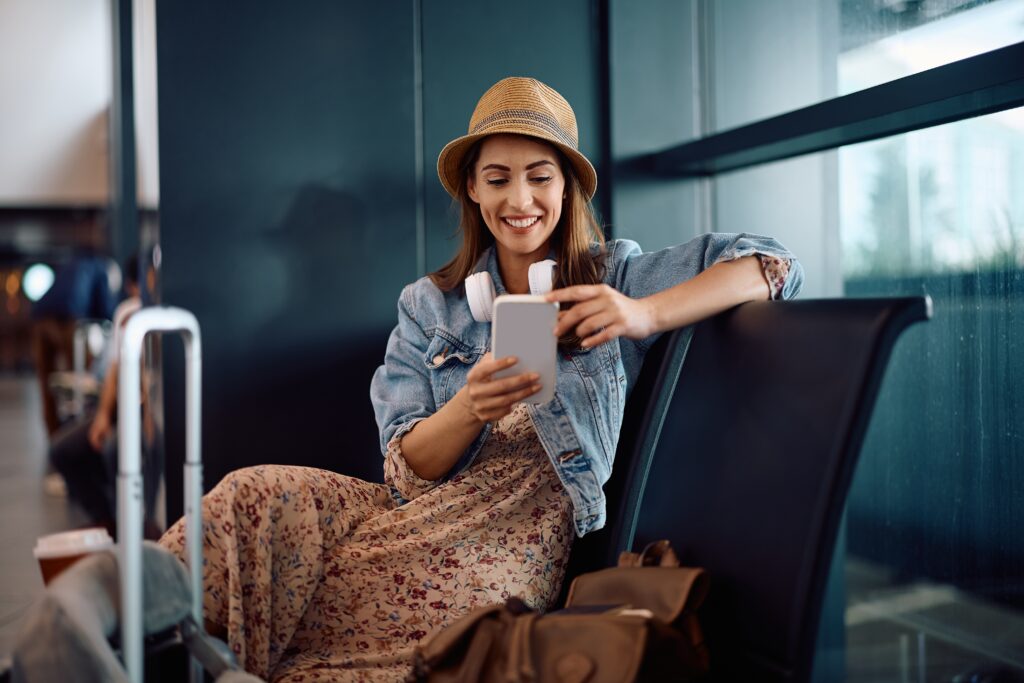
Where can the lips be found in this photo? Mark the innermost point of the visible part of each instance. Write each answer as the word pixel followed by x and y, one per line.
pixel 520 222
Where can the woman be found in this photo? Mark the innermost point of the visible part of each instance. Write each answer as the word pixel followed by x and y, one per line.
pixel 317 575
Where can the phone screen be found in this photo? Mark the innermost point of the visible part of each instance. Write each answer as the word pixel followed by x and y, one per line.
pixel 524 327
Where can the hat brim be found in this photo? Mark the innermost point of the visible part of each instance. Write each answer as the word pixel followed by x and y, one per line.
pixel 449 162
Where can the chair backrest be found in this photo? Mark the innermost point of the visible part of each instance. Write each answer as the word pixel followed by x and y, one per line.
pixel 750 473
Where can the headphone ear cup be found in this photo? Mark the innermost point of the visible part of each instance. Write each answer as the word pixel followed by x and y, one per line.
pixel 542 277
pixel 487 296
pixel 480 296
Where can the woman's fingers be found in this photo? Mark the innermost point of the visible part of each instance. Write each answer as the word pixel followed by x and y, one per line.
pixel 489 399
pixel 499 387
pixel 606 311
pixel 607 334
pixel 496 407
pixel 575 293
pixel 496 403
pixel 488 365
pixel 575 315
pixel 593 323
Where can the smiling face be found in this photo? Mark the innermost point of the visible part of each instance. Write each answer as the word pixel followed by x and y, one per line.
pixel 519 185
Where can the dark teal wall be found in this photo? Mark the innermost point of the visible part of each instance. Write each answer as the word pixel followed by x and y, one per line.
pixel 289 198
pixel 288 219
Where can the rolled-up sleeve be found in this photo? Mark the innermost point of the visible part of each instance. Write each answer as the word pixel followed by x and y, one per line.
pixel 402 396
pixel 637 274
pixel 400 389
pixel 776 272
pixel 399 475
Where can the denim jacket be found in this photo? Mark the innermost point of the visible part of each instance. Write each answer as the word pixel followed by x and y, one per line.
pixel 437 342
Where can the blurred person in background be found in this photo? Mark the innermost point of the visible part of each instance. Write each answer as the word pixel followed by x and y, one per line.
pixel 85 452
pixel 80 291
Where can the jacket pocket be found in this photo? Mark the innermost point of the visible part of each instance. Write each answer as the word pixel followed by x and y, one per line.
pixel 590 362
pixel 448 361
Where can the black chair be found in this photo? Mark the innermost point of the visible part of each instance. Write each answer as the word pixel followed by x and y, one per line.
pixel 742 456
pixel 645 412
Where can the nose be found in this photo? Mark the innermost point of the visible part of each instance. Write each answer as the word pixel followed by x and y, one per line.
pixel 521 196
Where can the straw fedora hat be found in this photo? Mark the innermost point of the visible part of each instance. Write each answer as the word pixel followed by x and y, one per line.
pixel 523 106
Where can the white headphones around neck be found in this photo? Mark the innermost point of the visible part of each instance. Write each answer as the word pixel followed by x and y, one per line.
pixel 480 289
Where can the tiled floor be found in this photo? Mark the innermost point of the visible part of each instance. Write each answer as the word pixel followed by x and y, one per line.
pixel 26 510
pixel 922 631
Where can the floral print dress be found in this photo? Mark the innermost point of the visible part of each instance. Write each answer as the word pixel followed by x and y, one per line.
pixel 318 576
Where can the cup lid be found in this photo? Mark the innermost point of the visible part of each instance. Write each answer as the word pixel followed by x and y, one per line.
pixel 73 542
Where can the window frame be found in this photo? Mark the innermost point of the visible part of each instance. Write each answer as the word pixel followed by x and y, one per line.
pixel 983 84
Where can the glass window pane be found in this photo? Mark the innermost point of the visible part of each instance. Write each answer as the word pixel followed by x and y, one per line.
pixel 941 200
pixel 768 58
pixel 935 563
pixel 882 40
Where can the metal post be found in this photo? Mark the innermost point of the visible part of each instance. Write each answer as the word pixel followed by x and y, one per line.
pixel 129 477
pixel 78 367
pixel 904 658
pixel 124 228
pixel 922 658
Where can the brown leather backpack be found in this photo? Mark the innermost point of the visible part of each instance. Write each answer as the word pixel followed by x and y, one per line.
pixel 634 622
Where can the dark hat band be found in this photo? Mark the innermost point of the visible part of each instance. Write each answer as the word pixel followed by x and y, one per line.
pixel 528 118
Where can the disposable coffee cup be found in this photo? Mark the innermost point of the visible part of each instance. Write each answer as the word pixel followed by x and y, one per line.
pixel 57 552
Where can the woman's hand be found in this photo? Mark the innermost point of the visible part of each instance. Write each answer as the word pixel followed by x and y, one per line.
pixel 602 313
pixel 487 399
pixel 435 444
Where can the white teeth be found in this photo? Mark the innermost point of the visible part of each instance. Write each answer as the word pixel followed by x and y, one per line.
pixel 523 222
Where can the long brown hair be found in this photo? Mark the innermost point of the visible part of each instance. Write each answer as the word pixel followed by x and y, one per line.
pixel 571 240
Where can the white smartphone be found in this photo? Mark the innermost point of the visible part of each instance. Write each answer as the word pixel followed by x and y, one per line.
pixel 524 327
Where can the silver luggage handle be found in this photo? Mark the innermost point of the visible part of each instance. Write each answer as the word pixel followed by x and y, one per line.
pixel 129 475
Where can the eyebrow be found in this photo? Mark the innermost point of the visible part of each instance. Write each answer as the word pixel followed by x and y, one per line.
pixel 529 167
